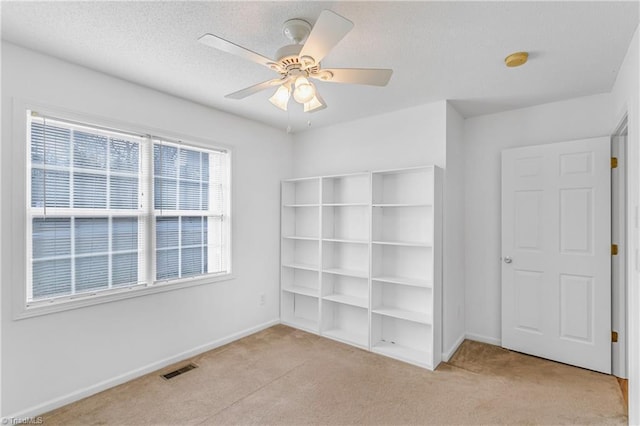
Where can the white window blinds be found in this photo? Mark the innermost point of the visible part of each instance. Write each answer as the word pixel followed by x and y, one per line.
pixel 93 226
pixel 189 204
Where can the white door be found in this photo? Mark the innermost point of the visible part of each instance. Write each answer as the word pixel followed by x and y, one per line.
pixel 556 252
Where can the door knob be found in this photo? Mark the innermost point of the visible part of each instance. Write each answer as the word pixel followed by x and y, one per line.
pixel 507 259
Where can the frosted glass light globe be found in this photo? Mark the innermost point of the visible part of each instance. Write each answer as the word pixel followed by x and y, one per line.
pixel 281 97
pixel 304 91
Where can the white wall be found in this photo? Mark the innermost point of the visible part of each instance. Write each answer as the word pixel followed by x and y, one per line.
pixel 626 95
pixel 52 359
pixel 405 138
pixel 453 312
pixel 423 135
pixel 484 139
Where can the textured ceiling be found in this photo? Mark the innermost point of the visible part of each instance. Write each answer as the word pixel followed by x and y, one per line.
pixel 438 50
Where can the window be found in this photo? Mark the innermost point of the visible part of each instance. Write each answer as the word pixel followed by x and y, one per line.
pixel 110 211
pixel 188 206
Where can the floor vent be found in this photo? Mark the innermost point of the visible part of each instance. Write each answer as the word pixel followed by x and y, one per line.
pixel 179 371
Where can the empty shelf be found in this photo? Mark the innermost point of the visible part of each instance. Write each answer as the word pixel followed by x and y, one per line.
pixel 415 282
pixel 420 317
pixel 301 266
pixel 403 243
pixel 347 272
pixel 296 237
pixel 302 323
pixel 343 240
pixel 347 336
pixel 306 291
pixel 403 353
pixel 301 205
pixel 345 204
pixel 361 302
pixel 402 205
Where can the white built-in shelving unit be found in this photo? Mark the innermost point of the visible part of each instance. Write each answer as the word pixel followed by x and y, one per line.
pixel 300 254
pixel 405 265
pixel 361 260
pixel 345 258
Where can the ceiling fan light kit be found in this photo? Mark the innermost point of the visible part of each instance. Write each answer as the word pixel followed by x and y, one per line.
pixel 298 62
pixel 304 91
pixel 281 97
pixel 315 104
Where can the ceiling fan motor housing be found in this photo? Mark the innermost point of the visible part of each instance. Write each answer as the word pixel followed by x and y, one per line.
pixel 289 60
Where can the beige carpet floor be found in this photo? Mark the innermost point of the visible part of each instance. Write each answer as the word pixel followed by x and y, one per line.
pixel 286 376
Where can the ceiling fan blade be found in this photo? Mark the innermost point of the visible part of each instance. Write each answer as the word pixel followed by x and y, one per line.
pixel 229 47
pixel 369 76
pixel 241 94
pixel 329 29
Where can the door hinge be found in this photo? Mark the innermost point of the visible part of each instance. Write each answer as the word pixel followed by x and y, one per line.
pixel 614 336
pixel 614 162
pixel 614 249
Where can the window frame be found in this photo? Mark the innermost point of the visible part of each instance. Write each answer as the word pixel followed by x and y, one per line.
pixel 21 202
pixel 74 213
pixel 209 213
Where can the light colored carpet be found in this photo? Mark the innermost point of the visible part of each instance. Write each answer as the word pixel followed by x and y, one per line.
pixel 286 376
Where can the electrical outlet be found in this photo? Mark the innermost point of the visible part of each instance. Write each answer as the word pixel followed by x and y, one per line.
pixel 263 299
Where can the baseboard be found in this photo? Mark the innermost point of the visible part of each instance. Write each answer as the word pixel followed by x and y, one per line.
pixel 484 339
pixel 134 374
pixel 446 356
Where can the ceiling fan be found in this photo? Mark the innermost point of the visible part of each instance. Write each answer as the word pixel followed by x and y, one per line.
pixel 298 62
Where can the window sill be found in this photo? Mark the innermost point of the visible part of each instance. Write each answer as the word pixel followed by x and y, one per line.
pixel 44 308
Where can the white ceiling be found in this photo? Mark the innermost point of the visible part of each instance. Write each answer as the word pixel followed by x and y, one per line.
pixel 438 50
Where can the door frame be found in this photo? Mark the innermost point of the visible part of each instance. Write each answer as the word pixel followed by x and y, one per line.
pixel 619 263
pixel 629 112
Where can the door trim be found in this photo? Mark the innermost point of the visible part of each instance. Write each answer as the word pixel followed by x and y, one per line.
pixel 619 271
